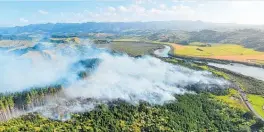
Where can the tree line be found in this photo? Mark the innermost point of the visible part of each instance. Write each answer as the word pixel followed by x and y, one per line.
pixel 12 103
pixel 189 112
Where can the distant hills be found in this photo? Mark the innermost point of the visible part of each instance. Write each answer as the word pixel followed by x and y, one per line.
pixel 182 32
pixel 114 27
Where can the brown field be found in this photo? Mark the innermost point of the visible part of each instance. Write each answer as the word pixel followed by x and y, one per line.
pixel 16 43
pixel 177 46
pixel 133 48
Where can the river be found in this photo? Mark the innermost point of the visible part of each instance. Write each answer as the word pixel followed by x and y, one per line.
pixel 251 71
pixel 163 52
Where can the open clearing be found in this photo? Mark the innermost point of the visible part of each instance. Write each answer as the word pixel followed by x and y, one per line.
pixel 16 44
pixel 132 48
pixel 221 51
pixel 65 40
pixel 232 99
pixel 257 102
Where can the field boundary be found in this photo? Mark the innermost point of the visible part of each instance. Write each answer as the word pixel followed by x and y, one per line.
pixel 171 53
pixel 215 60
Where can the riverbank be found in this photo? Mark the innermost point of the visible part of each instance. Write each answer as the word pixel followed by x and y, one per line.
pixel 242 82
pixel 194 58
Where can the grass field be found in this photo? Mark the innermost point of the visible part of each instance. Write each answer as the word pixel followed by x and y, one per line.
pixel 232 99
pixel 65 40
pixel 196 49
pixel 132 48
pixel 257 102
pixel 16 43
pixel 221 51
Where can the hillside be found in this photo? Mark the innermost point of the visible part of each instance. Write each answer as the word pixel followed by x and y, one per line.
pixel 190 113
pixel 115 27
pixel 182 32
pixel 249 38
pixel 85 87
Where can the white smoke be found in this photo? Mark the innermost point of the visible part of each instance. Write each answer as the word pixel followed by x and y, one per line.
pixel 131 79
pixel 19 73
pixel 116 77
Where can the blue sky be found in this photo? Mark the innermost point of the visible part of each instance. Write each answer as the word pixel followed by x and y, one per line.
pixel 23 13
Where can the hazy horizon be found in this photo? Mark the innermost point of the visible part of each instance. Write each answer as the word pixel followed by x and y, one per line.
pixel 129 22
pixel 22 13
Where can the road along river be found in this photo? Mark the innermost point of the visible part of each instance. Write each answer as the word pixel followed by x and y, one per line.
pixel 251 71
pixel 255 72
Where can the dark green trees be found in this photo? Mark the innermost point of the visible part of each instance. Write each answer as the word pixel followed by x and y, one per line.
pixel 189 112
pixel 10 103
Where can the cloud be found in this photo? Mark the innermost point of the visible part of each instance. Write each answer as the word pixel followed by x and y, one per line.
pixel 23 20
pixel 150 80
pixel 141 2
pixel 43 12
pixel 135 13
pixel 243 12
pixel 111 9
pixel 162 6
pixel 108 79
pixel 122 9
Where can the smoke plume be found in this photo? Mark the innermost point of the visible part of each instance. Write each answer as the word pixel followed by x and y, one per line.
pixel 114 77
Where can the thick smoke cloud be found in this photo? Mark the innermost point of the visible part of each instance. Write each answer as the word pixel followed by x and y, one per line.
pixel 40 68
pixel 115 77
pixel 131 79
pixel 19 73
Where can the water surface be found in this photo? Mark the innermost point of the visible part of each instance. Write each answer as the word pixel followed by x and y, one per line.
pixel 251 71
pixel 163 52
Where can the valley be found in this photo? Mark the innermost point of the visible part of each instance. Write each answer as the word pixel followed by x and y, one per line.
pixel 153 83
pixel 132 66
pixel 38 99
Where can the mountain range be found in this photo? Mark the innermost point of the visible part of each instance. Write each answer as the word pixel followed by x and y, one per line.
pixel 114 27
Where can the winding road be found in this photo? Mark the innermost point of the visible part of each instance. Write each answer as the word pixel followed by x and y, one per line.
pixel 165 53
pixel 244 98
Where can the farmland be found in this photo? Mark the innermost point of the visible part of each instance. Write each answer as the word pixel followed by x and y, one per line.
pixel 221 51
pixel 65 40
pixel 16 43
pixel 133 48
pixel 232 52
pixel 132 66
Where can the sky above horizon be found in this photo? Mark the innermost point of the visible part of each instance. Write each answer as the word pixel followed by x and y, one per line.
pixel 14 13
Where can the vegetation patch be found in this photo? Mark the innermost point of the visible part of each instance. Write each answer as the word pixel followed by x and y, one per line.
pixel 190 112
pixel 65 40
pixel 133 48
pixel 257 102
pixel 233 100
